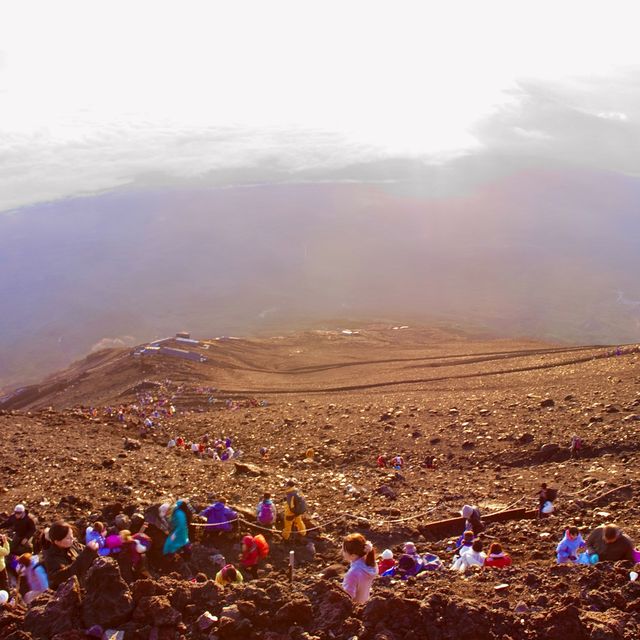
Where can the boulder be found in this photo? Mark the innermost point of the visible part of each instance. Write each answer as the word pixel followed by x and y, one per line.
pixel 247 468
pixel 297 610
pixel 156 610
pixel 59 613
pixel 108 601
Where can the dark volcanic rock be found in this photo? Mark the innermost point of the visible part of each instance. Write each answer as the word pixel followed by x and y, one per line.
pixel 60 613
pixel 107 600
pixel 156 610
pixel 298 610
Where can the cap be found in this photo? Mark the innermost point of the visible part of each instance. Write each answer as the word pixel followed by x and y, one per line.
pixel 19 508
pixel 387 554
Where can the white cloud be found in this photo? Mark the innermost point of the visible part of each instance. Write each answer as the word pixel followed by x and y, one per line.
pixel 95 94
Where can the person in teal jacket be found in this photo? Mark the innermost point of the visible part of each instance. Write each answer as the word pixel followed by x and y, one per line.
pixel 179 522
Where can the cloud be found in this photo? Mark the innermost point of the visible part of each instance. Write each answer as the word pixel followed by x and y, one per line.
pixel 113 343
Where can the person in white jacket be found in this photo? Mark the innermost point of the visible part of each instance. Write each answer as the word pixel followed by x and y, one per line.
pixel 362 556
pixel 470 557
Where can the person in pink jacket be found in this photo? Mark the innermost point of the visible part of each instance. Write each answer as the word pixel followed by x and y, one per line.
pixel 362 556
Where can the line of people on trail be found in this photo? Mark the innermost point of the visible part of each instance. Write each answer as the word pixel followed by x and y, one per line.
pixel 162 537
pixel 218 450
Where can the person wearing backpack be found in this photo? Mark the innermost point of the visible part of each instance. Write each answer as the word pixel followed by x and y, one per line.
pixel 295 506
pixel 254 548
pixel 34 574
pixel 266 511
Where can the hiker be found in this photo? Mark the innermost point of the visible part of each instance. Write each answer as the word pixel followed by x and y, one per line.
pixel 34 574
pixel 567 549
pixel 386 561
pixel 473 521
pixel 157 528
pixel 23 526
pixel 295 507
pixel 253 550
pixel 464 543
pixel 496 557
pixel 228 575
pixel 4 552
pixel 220 518
pixel 430 462
pixel 65 557
pixel 475 557
pixel 546 496
pixel 360 553
pixel 264 452
pixel 132 558
pixel 397 462
pixel 610 544
pixel 411 550
pixel 179 522
pixel 96 532
pixel 266 511
pixel 575 447
pixel 381 462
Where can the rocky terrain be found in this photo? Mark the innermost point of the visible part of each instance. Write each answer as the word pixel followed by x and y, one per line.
pixel 498 416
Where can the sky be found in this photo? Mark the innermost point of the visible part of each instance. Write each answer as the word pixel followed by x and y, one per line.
pixel 96 96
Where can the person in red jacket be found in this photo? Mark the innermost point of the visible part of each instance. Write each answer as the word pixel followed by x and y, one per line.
pixel 497 558
pixel 253 549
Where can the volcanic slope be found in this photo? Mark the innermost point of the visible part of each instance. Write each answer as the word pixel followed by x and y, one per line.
pixel 497 415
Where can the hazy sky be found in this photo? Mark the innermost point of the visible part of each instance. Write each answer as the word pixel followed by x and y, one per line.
pixel 95 95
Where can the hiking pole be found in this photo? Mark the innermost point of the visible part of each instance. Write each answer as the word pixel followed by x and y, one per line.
pixel 292 556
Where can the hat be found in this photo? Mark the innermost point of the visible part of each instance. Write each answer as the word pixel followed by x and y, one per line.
pixel 163 509
pixel 4 597
pixel 466 511
pixel 409 547
pixel 291 483
pixel 387 554
pixel 19 508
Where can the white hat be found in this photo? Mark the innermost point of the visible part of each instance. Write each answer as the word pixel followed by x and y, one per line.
pixel 387 554
pixel 19 508
pixel 4 597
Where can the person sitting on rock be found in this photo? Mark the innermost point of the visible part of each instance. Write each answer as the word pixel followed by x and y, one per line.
pixel 475 557
pixel 610 544
pixel 220 518
pixel 23 528
pixel 96 532
pixel 33 574
pixel 410 549
pixel 266 511
pixel 361 555
pixel 568 548
pixel 295 507
pixel 228 575
pixel 386 561
pixel 406 567
pixel 65 557
pixel 464 543
pixel 546 496
pixel 254 549
pixel 473 521
pixel 496 557
pixel 397 462
pixel 264 452
pixel 381 462
pixel 179 522
pixel 430 462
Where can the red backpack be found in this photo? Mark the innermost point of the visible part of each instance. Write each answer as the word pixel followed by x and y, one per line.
pixel 262 545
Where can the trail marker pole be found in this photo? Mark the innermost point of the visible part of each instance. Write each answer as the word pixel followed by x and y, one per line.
pixel 292 559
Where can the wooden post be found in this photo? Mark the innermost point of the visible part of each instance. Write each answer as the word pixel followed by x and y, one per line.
pixel 292 556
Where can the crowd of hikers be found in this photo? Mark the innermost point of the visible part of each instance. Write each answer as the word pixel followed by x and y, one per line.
pixel 33 561
pixel 220 449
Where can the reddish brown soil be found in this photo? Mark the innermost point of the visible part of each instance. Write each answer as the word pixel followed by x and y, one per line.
pixel 475 403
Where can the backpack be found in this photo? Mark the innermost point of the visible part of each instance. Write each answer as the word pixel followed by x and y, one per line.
pixel 552 494
pixel 265 516
pixel 299 505
pixel 262 545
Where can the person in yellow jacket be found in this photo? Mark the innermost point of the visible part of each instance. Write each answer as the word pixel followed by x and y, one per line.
pixel 228 575
pixel 295 507
pixel 4 552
